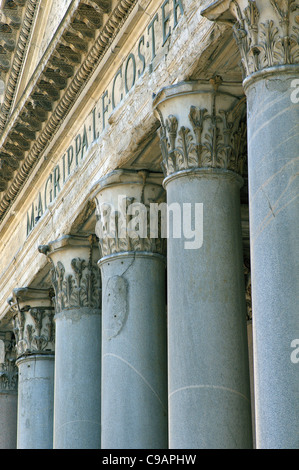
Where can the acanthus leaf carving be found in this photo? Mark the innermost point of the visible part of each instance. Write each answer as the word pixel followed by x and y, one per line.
pixel 117 232
pixel 197 117
pixel 34 330
pixel 269 43
pixel 78 289
pixel 217 140
pixel 8 368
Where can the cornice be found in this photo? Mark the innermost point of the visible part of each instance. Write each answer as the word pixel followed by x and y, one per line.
pixel 14 29
pixel 11 77
pixel 68 63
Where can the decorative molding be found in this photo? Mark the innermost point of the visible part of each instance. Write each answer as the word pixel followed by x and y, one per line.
pixel 11 28
pixel 8 368
pixel 63 72
pixel 13 73
pixel 215 138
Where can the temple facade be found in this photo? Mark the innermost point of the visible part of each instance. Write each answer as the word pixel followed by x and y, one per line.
pixel 149 268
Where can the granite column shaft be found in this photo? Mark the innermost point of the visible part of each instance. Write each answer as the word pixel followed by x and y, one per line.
pixel 266 32
pixel 208 371
pixel 77 402
pixel 134 381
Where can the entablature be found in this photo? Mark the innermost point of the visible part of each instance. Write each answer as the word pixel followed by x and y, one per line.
pixel 78 44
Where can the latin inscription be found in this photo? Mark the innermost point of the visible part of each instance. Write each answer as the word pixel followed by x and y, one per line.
pixel 143 55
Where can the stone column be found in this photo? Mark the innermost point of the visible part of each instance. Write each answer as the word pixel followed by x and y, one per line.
pixel 8 391
pixel 266 32
pixel 76 283
pixel 35 338
pixel 202 142
pixel 134 382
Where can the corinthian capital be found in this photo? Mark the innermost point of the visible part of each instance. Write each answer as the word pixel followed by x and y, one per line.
pixel 266 31
pixel 75 275
pixel 33 321
pixel 202 126
pixel 8 368
pixel 124 200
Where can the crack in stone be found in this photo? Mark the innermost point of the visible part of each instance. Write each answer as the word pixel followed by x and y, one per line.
pixel 213 387
pixel 266 196
pixel 140 375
